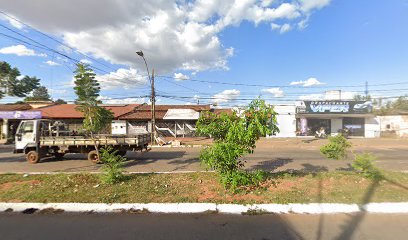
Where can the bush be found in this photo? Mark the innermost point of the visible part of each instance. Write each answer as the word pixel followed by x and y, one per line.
pixel 336 148
pixel 235 179
pixel 113 165
pixel 234 136
pixel 364 163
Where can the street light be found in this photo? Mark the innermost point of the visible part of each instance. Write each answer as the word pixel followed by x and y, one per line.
pixel 153 99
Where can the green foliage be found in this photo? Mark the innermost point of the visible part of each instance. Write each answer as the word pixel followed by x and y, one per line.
pixel 11 85
pixel 112 167
pixel 60 101
pixel 364 163
pixel 396 107
pixel 336 148
pixel 39 94
pixel 87 89
pixel 234 137
pixel 233 180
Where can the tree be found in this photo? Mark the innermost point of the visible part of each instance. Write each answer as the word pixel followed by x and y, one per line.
pixel 234 137
pixel 39 94
pixel 395 107
pixel 11 85
pixel 60 101
pixel 87 89
pixel 359 97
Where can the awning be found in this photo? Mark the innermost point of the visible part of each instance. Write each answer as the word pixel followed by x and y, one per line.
pixel 335 115
pixel 181 114
pixel 20 114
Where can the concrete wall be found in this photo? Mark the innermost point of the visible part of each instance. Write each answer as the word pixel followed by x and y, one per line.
pixel 286 120
pixel 372 127
pixel 394 125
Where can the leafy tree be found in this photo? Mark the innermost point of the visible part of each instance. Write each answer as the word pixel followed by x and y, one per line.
pixel 87 89
pixel 359 97
pixel 395 107
pixel 12 86
pixel 39 94
pixel 336 148
pixel 60 101
pixel 234 137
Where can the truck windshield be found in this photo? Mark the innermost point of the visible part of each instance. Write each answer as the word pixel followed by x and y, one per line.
pixel 26 127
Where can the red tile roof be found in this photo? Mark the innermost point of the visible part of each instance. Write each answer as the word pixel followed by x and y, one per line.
pixel 15 107
pixel 65 111
pixel 144 112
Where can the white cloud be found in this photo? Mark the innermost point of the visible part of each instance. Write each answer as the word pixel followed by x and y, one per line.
pixel 309 5
pixel 180 77
pixel 20 50
pixel 13 22
pixel 122 78
pixel 282 28
pixel 276 92
pixel 285 28
pixel 226 96
pixel 108 100
pixel 174 35
pixel 52 63
pixel 308 83
pixel 53 91
pixel 86 61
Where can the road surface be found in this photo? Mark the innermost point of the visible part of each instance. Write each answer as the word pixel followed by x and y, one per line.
pixel 202 226
pixel 270 155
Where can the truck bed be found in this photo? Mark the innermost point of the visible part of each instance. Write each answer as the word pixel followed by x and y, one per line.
pixel 137 140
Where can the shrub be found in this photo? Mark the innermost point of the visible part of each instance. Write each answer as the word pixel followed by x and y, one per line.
pixel 234 136
pixel 113 165
pixel 336 148
pixel 236 179
pixel 364 163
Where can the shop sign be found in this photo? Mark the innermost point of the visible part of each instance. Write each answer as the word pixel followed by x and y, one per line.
pixel 336 107
pixel 20 114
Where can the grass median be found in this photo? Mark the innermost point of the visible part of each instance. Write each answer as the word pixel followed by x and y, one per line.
pixel 328 187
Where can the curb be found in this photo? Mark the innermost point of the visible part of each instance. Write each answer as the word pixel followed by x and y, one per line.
pixel 312 208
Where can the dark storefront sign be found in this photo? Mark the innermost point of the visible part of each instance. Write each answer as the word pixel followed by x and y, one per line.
pixel 20 114
pixel 333 107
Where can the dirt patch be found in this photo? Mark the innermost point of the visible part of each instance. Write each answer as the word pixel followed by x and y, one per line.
pixel 10 185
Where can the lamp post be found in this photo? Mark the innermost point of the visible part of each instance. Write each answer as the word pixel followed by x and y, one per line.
pixel 152 99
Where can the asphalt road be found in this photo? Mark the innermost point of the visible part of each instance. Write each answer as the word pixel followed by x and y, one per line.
pixel 202 226
pixel 270 155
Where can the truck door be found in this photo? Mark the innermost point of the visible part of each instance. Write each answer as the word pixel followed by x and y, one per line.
pixel 25 134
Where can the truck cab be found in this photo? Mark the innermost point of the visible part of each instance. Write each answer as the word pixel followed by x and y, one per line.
pixel 29 132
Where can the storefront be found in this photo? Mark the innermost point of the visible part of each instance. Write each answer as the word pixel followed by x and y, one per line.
pixel 11 119
pixel 332 117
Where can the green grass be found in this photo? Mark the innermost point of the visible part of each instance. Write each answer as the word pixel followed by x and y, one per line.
pixel 339 187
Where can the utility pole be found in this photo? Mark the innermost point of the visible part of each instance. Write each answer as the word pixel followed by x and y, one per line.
pixel 153 101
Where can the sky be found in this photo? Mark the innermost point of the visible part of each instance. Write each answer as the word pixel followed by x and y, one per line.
pixel 220 52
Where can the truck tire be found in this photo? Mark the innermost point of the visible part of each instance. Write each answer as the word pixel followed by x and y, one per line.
pixel 93 157
pixel 122 153
pixel 33 157
pixel 59 155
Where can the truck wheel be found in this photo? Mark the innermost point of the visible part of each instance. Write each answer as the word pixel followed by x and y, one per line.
pixel 122 153
pixel 59 155
pixel 33 157
pixel 93 157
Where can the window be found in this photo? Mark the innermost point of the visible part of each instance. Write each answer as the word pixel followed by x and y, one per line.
pixel 26 127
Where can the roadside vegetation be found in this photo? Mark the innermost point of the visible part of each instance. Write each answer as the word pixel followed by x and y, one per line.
pixel 330 187
pixel 336 148
pixel 235 136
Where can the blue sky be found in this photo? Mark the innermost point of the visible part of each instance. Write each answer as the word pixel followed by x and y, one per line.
pixel 292 49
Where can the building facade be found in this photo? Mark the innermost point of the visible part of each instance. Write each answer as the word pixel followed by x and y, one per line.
pixel 334 116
